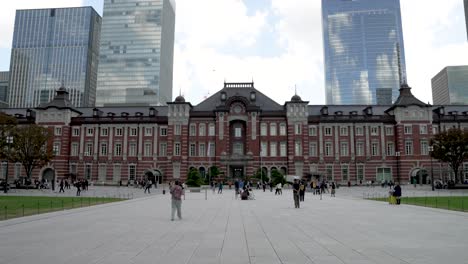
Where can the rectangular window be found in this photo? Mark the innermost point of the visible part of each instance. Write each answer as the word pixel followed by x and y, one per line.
pixel 56 148
pixel 177 149
pixel 133 132
pixel 408 129
pixel 148 131
pixel 132 149
pixel 298 148
pixel 73 168
pixel 89 149
pixel 118 149
pixel 4 170
pixel 389 131
pixel 58 131
pixel 211 149
pixel 424 148
pixel 104 132
pixel 147 151
pixel 193 130
pixel 117 172
pixel 102 173
pixel 211 130
pixel 192 151
pixel 312 131
pixel 328 149
pixel 343 131
pixel 273 151
pixel 118 131
pixel 263 149
pixel 359 131
pixel 74 149
pixel 282 129
pixel 374 131
pixel 90 131
pixel 263 129
pixel 344 149
pixel 103 149
pixel 298 129
pixel 390 149
pixel 201 130
pixel 313 149
pixel 423 129
pixel 238 148
pixel 76 132
pixel 375 149
pixel 177 130
pixel 409 148
pixel 273 131
pixel 163 131
pixel 88 171
pixel 131 172
pixel 360 149
pixel 329 172
pixel 328 131
pixel 163 149
pixel 384 174
pixel 344 173
pixel 17 170
pixel 237 132
pixel 360 172
pixel 435 130
pixel 202 150
pixel 283 149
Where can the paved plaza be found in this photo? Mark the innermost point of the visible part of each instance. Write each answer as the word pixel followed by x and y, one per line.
pixel 345 229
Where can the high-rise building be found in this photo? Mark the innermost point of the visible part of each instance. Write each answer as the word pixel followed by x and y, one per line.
pixel 137 51
pixel 466 17
pixel 3 87
pixel 53 47
pixel 363 51
pixel 450 86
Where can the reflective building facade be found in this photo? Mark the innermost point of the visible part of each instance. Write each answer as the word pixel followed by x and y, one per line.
pixel 450 86
pixel 136 55
pixel 51 47
pixel 3 86
pixel 363 40
pixel 466 17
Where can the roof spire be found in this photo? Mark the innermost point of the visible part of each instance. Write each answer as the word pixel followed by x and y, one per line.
pixel 401 74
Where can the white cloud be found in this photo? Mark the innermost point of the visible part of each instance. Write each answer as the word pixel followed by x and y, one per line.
pixel 8 11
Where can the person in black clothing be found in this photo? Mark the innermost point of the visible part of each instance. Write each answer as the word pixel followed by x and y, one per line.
pixel 61 186
pixel 296 193
pixel 397 193
pixel 148 186
pixel 302 188
pixel 78 188
pixel 333 189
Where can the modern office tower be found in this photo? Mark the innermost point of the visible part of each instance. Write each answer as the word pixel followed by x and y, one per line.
pixel 3 86
pixel 450 86
pixel 466 17
pixel 52 47
pixel 137 51
pixel 363 51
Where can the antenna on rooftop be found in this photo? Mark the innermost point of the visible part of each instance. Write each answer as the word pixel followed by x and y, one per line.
pixel 401 75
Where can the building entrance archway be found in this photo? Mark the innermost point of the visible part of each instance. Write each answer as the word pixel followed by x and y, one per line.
pixel 420 176
pixel 48 175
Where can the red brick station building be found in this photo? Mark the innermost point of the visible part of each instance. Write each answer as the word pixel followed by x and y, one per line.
pixel 240 130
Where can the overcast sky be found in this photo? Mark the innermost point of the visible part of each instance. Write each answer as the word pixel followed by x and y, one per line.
pixel 277 43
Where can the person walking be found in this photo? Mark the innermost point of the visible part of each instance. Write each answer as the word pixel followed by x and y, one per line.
pixel 176 200
pixel 220 188
pixel 148 186
pixel 296 187
pixel 61 186
pixel 302 188
pixel 78 188
pixel 397 192
pixel 333 189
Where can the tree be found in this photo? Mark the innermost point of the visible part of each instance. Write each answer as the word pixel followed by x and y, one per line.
pixel 7 125
pixel 277 177
pixel 451 146
pixel 194 178
pixel 31 147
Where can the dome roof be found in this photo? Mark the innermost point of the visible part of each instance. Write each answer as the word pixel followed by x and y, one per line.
pixel 296 98
pixel 180 99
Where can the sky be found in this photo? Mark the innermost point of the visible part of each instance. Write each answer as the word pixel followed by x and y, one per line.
pixel 277 44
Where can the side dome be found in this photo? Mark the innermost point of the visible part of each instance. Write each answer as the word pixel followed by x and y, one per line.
pixel 296 98
pixel 179 99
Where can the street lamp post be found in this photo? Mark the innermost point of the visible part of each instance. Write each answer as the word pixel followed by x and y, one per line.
pixel 431 149
pixel 9 141
pixel 397 154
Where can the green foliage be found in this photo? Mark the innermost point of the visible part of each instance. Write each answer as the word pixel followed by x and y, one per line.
pixel 32 147
pixel 7 125
pixel 277 177
pixel 451 146
pixel 194 178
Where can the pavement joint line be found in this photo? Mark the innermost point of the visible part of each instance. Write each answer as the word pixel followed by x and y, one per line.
pixel 245 236
pixel 225 229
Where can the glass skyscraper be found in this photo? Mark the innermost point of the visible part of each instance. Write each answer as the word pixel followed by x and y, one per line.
pixel 137 51
pixel 466 17
pixel 363 41
pixel 450 86
pixel 3 86
pixel 52 47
